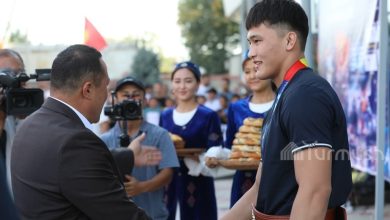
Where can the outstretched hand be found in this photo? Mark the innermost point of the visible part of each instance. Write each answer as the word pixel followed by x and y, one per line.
pixel 144 155
pixel 132 186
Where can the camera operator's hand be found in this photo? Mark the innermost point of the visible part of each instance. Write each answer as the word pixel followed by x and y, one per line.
pixel 144 155
pixel 132 186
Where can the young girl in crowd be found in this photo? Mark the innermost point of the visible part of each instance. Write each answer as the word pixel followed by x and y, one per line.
pixel 255 105
pixel 199 127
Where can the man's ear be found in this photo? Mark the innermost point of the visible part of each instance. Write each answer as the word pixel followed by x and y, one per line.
pixel 86 90
pixel 291 40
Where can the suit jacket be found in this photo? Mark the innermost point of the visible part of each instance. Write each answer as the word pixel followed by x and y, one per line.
pixel 62 170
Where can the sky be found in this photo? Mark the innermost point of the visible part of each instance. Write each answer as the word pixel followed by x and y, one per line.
pixel 51 22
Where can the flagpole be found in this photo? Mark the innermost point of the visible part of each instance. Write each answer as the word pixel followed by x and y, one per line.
pixel 381 114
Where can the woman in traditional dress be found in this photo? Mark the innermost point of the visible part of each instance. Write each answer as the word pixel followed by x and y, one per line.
pixel 260 100
pixel 199 127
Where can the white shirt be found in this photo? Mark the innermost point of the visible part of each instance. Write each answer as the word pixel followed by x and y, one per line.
pixel 260 108
pixel 182 119
pixel 85 121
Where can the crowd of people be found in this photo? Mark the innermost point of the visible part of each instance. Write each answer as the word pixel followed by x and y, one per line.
pixel 58 166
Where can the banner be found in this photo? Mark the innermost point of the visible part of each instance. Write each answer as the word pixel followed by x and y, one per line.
pixel 348 57
pixel 92 37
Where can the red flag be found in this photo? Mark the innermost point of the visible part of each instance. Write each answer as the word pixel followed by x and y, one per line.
pixel 92 37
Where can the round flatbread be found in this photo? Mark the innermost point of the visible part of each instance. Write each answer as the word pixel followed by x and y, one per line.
pixel 246 148
pixel 249 129
pixel 241 154
pixel 254 122
pixel 248 135
pixel 177 140
pixel 246 141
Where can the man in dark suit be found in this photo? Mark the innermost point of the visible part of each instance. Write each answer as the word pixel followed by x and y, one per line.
pixel 60 168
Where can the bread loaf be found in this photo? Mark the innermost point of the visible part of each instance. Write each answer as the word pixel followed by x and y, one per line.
pixel 254 122
pixel 249 129
pixel 242 154
pixel 178 142
pixel 243 159
pixel 246 141
pixel 246 145
pixel 246 148
pixel 248 135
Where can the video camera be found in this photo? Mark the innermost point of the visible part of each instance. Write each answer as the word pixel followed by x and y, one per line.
pixel 126 110
pixel 17 100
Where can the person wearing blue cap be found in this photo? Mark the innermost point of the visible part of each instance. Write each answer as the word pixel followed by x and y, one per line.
pixel 254 106
pixel 144 184
pixel 199 127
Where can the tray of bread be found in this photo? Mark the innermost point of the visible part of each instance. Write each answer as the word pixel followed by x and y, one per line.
pixel 239 164
pixel 189 152
pixel 179 144
pixel 246 150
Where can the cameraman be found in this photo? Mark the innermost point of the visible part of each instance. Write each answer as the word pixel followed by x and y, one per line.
pixel 10 61
pixel 146 184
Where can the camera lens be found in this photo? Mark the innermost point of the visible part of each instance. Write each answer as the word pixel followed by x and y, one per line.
pixel 130 109
pixel 125 110
pixel 20 101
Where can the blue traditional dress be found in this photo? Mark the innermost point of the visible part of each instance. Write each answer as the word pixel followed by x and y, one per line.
pixel 196 195
pixel 237 113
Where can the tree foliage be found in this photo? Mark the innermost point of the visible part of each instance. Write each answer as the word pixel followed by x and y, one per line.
pixel 146 66
pixel 207 33
pixel 18 37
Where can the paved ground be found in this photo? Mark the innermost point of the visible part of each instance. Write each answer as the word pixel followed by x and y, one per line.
pixel 223 187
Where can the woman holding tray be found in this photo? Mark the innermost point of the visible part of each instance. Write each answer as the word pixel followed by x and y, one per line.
pixel 254 106
pixel 199 127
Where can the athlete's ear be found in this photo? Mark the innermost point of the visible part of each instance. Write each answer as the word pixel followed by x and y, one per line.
pixel 291 40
